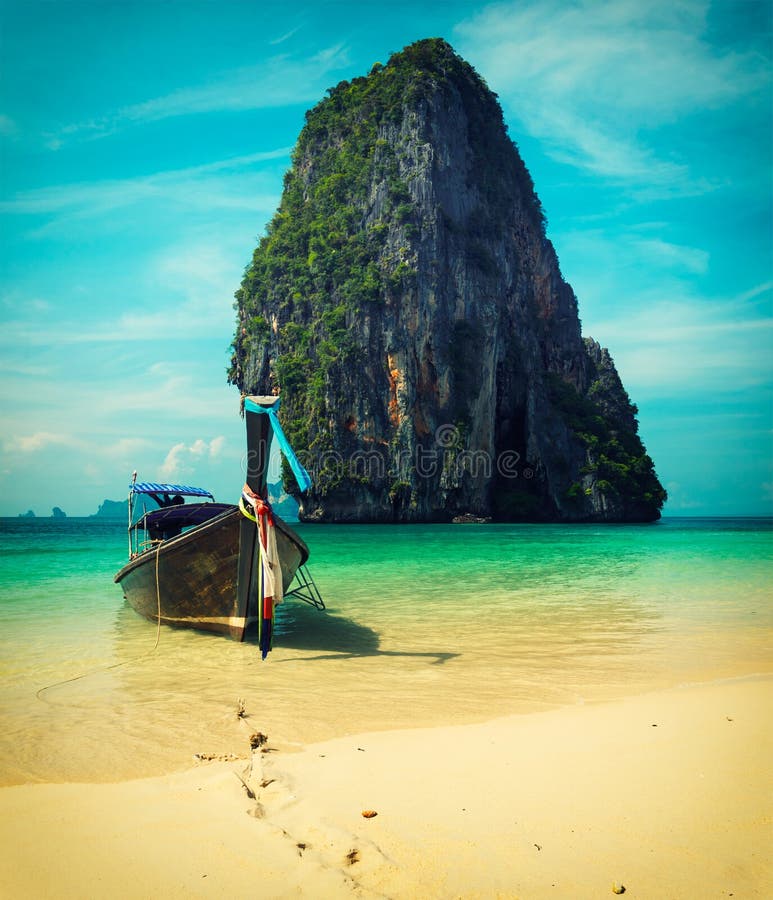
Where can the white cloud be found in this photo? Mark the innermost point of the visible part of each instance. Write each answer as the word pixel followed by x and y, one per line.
pixel 216 446
pixel 182 459
pixel 576 141
pixel 598 261
pixel 117 418
pixel 8 127
pixel 233 183
pixel 651 302
pixel 286 36
pixel 277 81
pixel 684 344
pixel 589 78
pixel 691 260
pixel 20 368
pixel 40 440
pixel 194 285
pixel 759 290
pixel 99 430
pixel 183 291
pixel 175 391
pixel 173 464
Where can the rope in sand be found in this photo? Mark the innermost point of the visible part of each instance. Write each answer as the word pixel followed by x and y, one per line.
pixel 39 693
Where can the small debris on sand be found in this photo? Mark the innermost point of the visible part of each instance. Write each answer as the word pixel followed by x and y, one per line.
pixel 220 757
pixel 369 813
pixel 352 857
pixel 618 888
pixel 257 740
pixel 247 788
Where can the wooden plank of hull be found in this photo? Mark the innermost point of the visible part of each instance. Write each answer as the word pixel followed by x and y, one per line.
pixel 197 574
pixel 246 595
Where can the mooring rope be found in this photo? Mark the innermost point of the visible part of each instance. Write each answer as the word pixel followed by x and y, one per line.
pixel 125 662
pixel 158 603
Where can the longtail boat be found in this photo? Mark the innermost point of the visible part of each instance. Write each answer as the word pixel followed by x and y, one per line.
pixel 218 567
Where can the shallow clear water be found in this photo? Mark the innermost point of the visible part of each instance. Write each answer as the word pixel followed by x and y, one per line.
pixel 425 624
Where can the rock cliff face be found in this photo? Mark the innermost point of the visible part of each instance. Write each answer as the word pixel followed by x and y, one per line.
pixel 408 306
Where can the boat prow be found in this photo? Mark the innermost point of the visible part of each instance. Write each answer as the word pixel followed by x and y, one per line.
pixel 190 580
pixel 215 566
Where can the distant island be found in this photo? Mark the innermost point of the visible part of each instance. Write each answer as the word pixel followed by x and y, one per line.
pixel 112 509
pixel 283 503
pixel 115 510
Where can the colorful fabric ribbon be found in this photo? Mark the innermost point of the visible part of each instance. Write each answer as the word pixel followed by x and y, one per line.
pixel 271 588
pixel 301 475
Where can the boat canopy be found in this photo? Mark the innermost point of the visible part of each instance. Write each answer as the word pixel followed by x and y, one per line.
pixel 184 490
pixel 172 519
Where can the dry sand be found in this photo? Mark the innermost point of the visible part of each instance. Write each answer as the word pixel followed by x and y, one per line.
pixel 669 795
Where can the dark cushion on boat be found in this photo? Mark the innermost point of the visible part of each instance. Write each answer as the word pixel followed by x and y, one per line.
pixel 173 518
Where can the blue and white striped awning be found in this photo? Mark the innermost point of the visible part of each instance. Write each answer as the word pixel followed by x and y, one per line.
pixel 184 490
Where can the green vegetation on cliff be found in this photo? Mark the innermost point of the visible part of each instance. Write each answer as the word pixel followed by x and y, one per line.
pixel 617 462
pixel 406 289
pixel 321 259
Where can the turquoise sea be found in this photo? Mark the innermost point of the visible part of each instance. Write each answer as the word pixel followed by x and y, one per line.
pixel 425 625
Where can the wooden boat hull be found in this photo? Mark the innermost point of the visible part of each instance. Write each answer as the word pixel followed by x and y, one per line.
pixel 193 577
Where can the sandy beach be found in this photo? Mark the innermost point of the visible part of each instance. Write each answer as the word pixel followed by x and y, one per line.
pixel 666 795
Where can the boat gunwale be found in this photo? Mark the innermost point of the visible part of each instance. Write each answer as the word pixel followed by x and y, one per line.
pixel 172 544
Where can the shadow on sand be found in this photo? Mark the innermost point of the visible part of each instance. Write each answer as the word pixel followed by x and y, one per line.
pixel 299 627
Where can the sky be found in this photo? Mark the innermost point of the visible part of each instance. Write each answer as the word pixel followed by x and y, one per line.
pixel 143 150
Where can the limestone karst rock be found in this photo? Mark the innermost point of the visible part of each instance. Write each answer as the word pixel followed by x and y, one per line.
pixel 407 304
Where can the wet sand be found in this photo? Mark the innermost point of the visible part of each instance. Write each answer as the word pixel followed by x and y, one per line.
pixel 668 794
